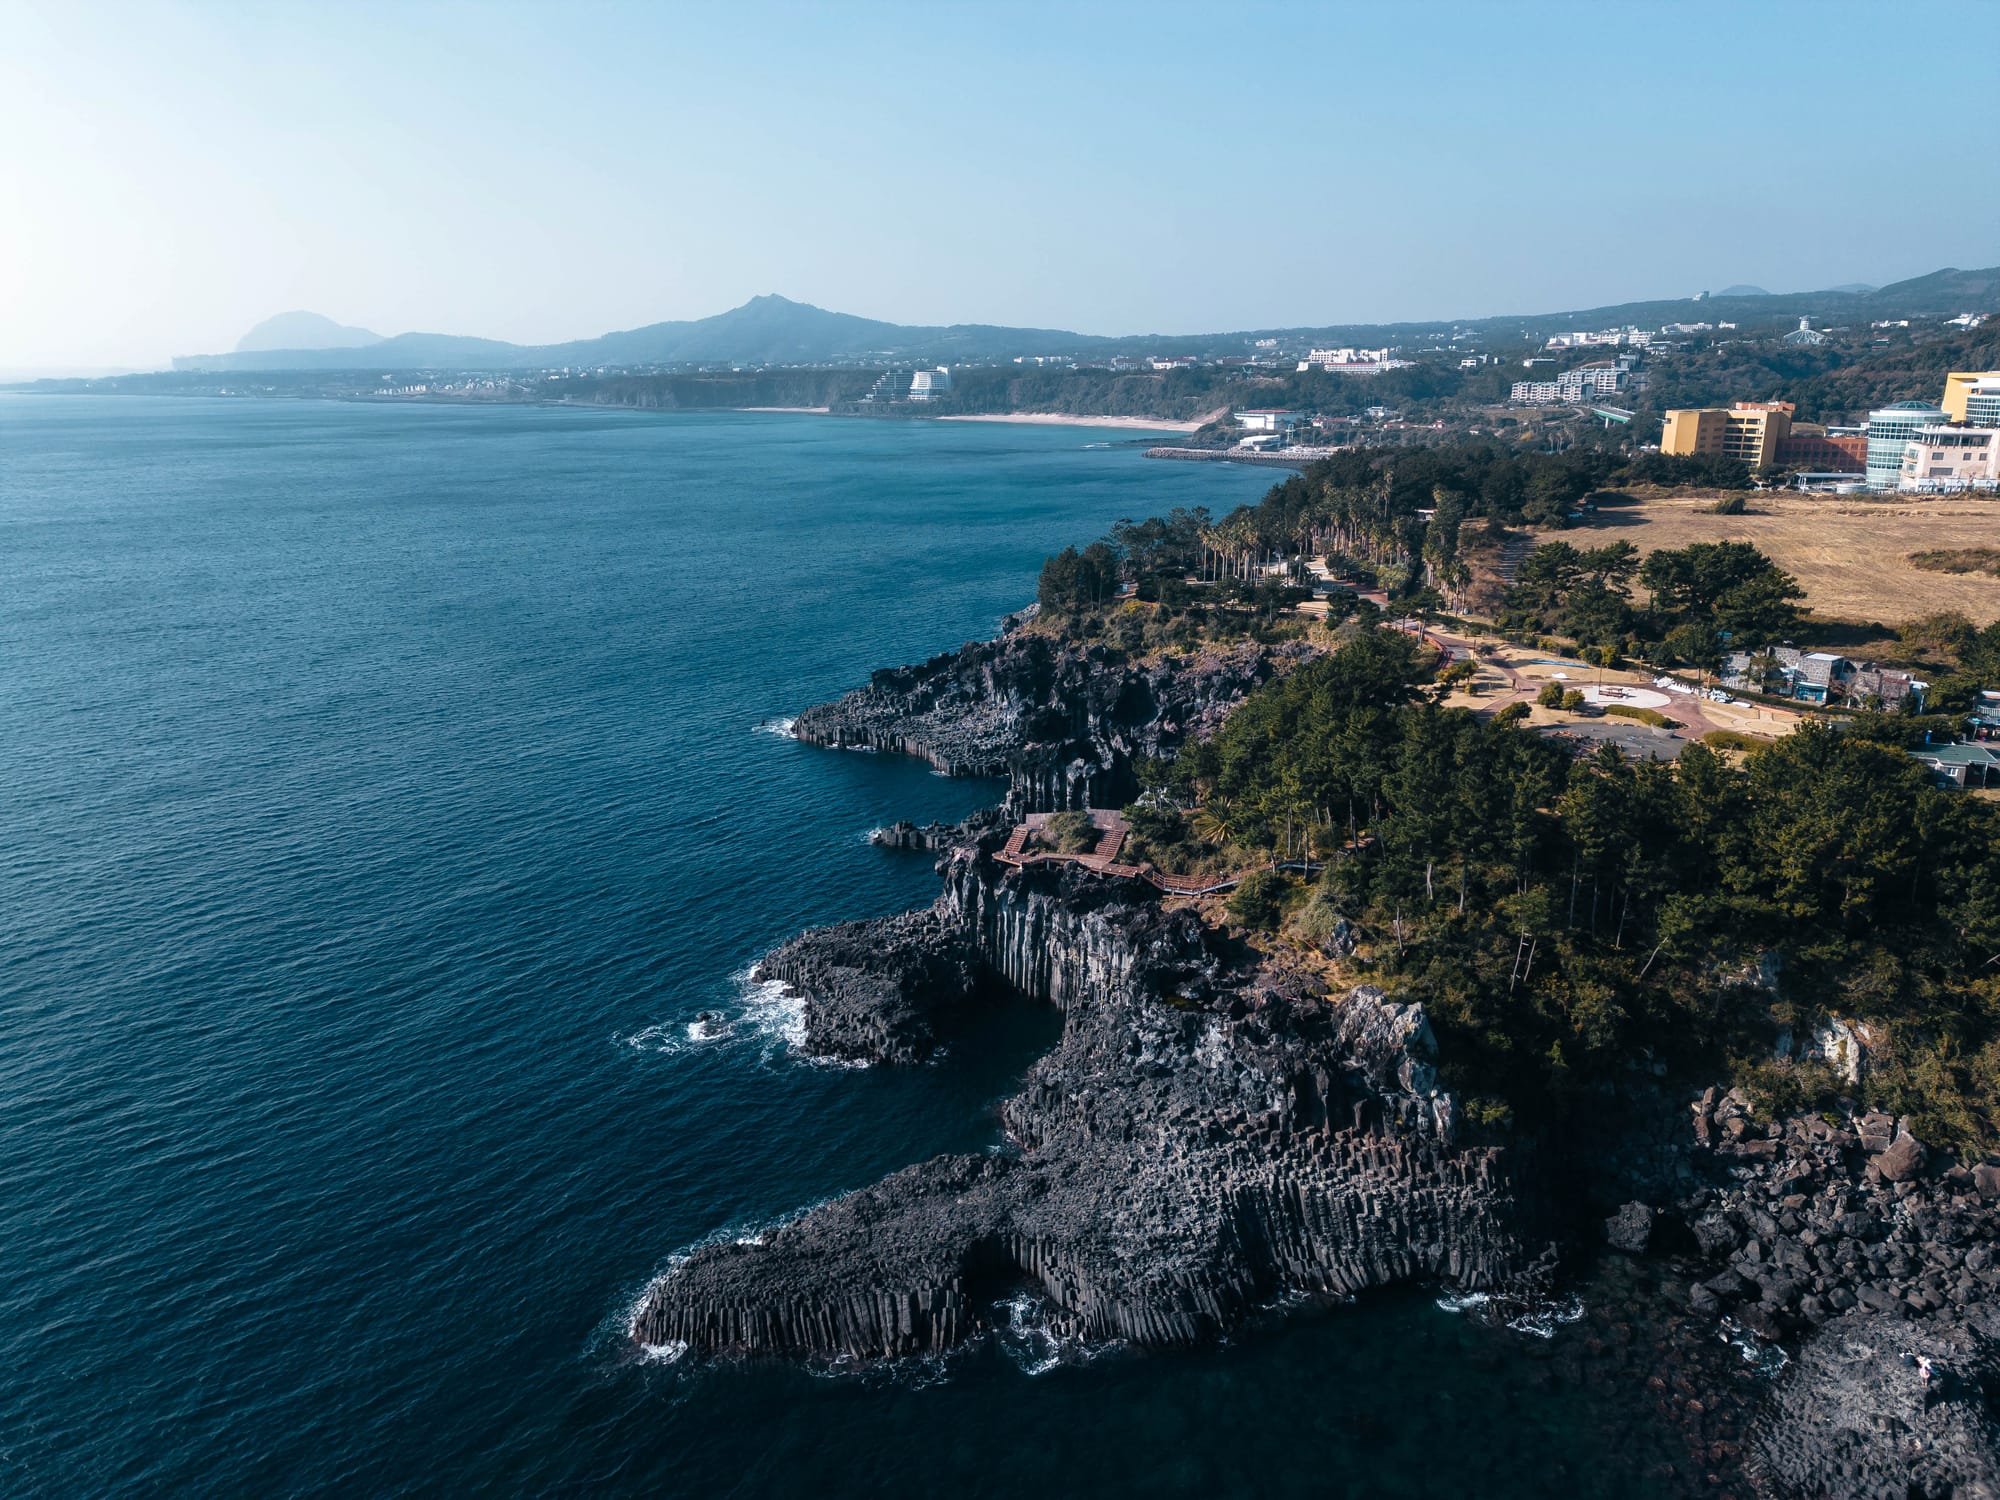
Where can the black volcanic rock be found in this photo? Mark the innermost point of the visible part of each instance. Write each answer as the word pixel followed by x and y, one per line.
pixel 1630 1229
pixel 874 989
pixel 1063 721
pixel 1208 1135
pixel 1854 1418
pixel 1194 1145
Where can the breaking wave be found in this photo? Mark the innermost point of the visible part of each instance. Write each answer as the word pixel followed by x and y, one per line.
pixel 766 1014
pixel 1765 1359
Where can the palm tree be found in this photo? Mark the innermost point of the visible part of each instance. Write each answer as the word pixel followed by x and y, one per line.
pixel 1211 824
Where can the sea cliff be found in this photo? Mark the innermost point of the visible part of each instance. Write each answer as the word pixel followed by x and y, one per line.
pixel 1216 1131
pixel 1063 722
pixel 1201 1140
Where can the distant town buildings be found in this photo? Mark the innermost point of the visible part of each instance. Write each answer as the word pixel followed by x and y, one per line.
pixel 1972 398
pixel 1951 458
pixel 1908 445
pixel 1266 419
pixel 1586 383
pixel 1636 338
pixel 1805 335
pixel 1823 452
pixel 1352 361
pixel 1750 431
pixel 1889 432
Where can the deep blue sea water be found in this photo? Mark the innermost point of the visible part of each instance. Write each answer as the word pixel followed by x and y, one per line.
pixel 381 797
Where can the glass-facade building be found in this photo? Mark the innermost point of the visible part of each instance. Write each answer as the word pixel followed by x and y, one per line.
pixel 1889 433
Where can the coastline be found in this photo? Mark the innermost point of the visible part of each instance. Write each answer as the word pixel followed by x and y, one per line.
pixel 1816 1243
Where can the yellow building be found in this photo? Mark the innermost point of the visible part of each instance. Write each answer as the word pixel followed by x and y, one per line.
pixel 1749 430
pixel 1958 387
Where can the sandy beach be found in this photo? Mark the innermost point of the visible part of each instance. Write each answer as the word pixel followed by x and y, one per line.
pixel 1064 419
pixel 1040 418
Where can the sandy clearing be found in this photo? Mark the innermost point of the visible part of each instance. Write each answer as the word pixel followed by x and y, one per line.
pixel 1851 554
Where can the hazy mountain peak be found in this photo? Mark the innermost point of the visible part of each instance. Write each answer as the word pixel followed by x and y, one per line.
pixel 303 330
pixel 1741 290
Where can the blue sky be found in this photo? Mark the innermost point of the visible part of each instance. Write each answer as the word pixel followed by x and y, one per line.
pixel 175 172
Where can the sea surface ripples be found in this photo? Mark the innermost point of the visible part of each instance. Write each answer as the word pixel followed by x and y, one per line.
pixel 383 806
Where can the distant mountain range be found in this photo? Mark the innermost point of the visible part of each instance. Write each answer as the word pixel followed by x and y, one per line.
pixel 773 330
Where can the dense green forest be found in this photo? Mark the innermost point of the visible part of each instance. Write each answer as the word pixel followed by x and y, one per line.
pixel 1701 600
pixel 1412 521
pixel 1841 380
pixel 1563 918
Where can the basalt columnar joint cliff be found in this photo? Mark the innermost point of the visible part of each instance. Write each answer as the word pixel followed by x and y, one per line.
pixel 1214 1131
pixel 1200 1141
pixel 1063 722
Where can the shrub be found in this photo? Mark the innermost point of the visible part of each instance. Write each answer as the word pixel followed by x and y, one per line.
pixel 1644 715
pixel 1573 701
pixel 1728 505
pixel 1727 739
pixel 1258 901
pixel 1071 833
pixel 1319 920
pixel 1551 695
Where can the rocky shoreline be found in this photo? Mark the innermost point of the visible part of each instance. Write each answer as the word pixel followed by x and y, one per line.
pixel 1212 1132
pixel 1062 722
pixel 1199 1142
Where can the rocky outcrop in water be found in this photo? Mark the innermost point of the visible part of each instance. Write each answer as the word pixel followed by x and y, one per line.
pixel 1063 720
pixel 903 834
pixel 1200 1141
pixel 875 990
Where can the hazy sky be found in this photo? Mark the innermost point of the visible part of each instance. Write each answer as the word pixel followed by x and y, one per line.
pixel 172 173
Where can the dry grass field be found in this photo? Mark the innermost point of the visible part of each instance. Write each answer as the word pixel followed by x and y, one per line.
pixel 1851 554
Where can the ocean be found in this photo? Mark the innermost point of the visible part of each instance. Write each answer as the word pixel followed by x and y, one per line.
pixel 387 792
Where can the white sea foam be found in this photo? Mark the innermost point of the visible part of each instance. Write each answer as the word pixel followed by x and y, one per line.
pixel 767 1014
pixel 773 1010
pixel 1026 1338
pixel 780 727
pixel 1765 1358
pixel 671 1037
pixel 1538 1320
pixel 1542 1322
pixel 670 1353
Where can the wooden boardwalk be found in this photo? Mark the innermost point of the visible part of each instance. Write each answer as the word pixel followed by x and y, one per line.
pixel 1103 859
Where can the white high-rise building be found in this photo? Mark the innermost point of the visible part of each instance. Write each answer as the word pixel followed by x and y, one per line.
pixel 1889 433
